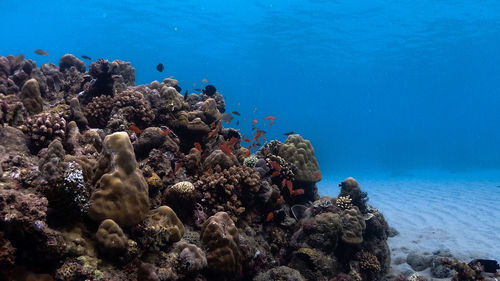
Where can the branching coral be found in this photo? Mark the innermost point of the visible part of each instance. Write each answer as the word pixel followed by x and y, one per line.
pixel 368 262
pixel 98 111
pixel 45 127
pixel 344 202
pixel 223 190
pixel 132 106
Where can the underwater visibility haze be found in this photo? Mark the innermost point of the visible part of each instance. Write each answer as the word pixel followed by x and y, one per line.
pixel 404 96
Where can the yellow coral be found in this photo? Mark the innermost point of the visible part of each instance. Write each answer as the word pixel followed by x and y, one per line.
pixel 154 181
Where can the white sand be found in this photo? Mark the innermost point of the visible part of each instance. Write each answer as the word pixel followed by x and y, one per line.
pixel 459 212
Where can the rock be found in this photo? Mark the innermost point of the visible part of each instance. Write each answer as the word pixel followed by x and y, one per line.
pixel 419 261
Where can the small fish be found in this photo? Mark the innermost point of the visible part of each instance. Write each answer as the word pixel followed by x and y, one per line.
pixel 246 140
pixel 160 67
pixel 269 216
pixel 226 117
pixel 255 110
pixel 41 52
pixel 204 80
pixel 198 146
pixel 226 149
pixel 166 132
pixel 232 141
pixel 186 95
pixel 289 185
pixel 237 122
pixel 316 175
pixel 247 153
pixel 289 133
pixel 209 90
pixel 254 121
pixel 178 166
pixel 283 183
pixel 197 89
pixel 238 105
pixel 297 192
pixel 86 57
pixel 272 118
pixel 19 59
pixel 236 113
pixel 135 129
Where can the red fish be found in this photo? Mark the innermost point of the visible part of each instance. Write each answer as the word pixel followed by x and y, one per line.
pixel 166 132
pixel 253 123
pixel 276 167
pixel 272 118
pixel 215 130
pixel 297 192
pixel 178 166
pixel 283 183
pixel 269 216
pixel 246 140
pixel 210 170
pixel 232 141
pixel 259 134
pixel 279 200
pixel 316 175
pixel 226 149
pixel 198 146
pixel 254 146
pixel 135 129
pixel 289 185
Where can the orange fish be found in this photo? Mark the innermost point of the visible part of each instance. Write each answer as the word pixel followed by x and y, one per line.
pixel 226 149
pixel 166 132
pixel 215 130
pixel 254 146
pixel 253 123
pixel 283 183
pixel 259 134
pixel 135 129
pixel 297 192
pixel 316 175
pixel 269 216
pixel 246 140
pixel 178 166
pixel 232 141
pixel 279 200
pixel 289 185
pixel 198 146
pixel 210 170
pixel 272 118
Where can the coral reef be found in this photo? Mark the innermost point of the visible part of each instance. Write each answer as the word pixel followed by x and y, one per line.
pixel 104 180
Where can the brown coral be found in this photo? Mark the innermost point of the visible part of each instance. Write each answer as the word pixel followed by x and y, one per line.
pixel 163 225
pixel 45 127
pixel 353 225
pixel 368 262
pixel 30 95
pixel 300 152
pixel 122 194
pixel 133 107
pixel 223 190
pixel 220 238
pixel 98 111
pixel 111 237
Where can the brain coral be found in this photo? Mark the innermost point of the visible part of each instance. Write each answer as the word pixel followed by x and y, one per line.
pixel 122 194
pixel 111 237
pixel 300 152
pixel 353 225
pixel 220 238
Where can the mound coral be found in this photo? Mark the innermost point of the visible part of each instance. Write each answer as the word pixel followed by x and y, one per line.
pixel 220 238
pixel 122 194
pixel 111 237
pixel 300 153
pixel 163 226
pixel 350 187
pixel 353 225
pixel 31 97
pixel 45 127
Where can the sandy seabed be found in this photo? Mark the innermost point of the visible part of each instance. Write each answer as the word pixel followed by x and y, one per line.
pixel 433 211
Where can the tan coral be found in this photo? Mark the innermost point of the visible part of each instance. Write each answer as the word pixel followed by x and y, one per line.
pixel 31 97
pixel 223 190
pixel 220 238
pixel 111 237
pixel 300 152
pixel 122 194
pixel 353 225
pixel 344 202
pixel 164 225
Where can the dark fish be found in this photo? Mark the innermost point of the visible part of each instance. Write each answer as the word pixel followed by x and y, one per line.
pixel 236 113
pixel 86 57
pixel 186 95
pixel 197 89
pixel 19 59
pixel 289 133
pixel 490 266
pixel 160 67
pixel 41 52
pixel 209 90
pixel 238 123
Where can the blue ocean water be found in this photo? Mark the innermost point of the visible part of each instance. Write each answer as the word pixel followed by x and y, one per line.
pixel 375 85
